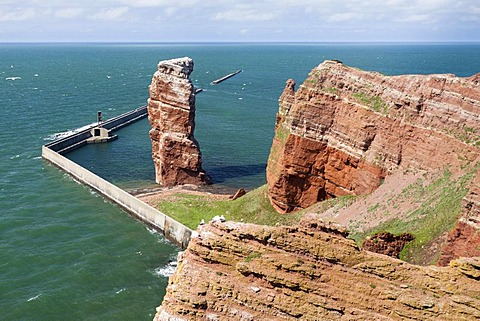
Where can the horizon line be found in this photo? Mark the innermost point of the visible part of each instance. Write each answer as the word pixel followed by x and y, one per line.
pixel 237 42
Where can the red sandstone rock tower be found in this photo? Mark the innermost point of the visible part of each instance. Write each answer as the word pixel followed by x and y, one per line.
pixel 171 111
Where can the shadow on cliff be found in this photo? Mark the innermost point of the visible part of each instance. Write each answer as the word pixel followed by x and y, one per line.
pixel 223 173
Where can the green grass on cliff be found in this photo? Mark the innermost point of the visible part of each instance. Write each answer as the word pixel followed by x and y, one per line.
pixel 440 206
pixel 375 102
pixel 254 207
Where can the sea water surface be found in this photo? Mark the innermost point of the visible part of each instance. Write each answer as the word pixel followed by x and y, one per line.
pixel 65 252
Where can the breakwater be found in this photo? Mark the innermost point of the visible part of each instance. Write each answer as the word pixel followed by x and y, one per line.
pixel 52 152
pixel 77 140
pixel 219 80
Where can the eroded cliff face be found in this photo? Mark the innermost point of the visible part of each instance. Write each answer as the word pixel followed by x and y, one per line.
pixel 345 129
pixel 171 111
pixel 236 271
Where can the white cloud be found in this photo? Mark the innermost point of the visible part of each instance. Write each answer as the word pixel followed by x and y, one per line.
pixel 145 3
pixel 68 13
pixel 170 11
pixel 244 15
pixel 17 15
pixel 158 3
pixel 340 17
pixel 110 14
pixel 304 20
pixel 416 18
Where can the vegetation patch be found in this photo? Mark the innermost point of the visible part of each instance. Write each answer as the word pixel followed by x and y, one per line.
pixel 374 102
pixel 332 90
pixel 282 133
pixel 335 204
pixel 313 77
pixel 254 207
pixel 468 135
pixel 254 255
pixel 438 213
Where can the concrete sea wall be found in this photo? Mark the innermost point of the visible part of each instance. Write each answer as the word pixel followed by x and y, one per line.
pixel 79 139
pixel 173 230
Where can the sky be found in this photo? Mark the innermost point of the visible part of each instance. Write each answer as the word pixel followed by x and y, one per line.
pixel 240 21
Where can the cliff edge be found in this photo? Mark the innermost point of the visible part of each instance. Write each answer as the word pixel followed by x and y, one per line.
pixel 171 112
pixel 236 271
pixel 408 141
pixel 345 129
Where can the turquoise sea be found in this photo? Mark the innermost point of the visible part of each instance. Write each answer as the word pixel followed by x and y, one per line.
pixel 65 252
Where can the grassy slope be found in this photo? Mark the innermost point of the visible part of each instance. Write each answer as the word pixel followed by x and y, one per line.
pixel 254 207
pixel 439 205
pixel 437 213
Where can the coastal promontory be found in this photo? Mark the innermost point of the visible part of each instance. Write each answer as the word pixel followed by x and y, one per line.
pixel 349 132
pixel 371 168
pixel 345 129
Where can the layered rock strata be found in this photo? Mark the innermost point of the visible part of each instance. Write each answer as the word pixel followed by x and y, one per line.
pixel 345 129
pixel 171 111
pixel 236 271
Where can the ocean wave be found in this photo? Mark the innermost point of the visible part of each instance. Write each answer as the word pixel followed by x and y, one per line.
pixel 68 132
pixel 151 230
pixel 33 298
pixel 167 270
pixel 13 78
pixel 160 237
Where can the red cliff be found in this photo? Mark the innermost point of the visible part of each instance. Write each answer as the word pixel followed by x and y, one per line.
pixel 171 111
pixel 235 271
pixel 345 129
pixel 402 140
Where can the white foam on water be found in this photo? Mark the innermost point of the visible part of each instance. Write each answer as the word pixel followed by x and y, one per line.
pixel 68 132
pixel 120 291
pixel 167 270
pixel 160 237
pixel 13 78
pixel 151 230
pixel 33 298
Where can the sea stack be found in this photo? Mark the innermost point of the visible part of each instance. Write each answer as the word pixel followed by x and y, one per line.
pixel 171 112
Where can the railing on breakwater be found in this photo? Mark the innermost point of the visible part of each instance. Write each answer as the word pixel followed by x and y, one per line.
pixel 79 139
pixel 173 230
